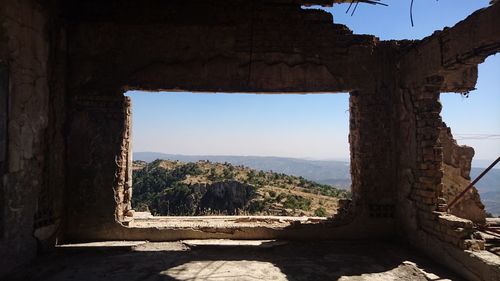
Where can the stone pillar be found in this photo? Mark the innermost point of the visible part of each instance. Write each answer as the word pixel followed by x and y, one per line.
pixel 371 144
pixel 429 154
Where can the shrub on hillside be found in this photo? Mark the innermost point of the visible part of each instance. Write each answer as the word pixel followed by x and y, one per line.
pixel 320 212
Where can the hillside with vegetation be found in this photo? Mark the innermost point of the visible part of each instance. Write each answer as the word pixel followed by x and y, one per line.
pixel 174 188
pixel 332 172
pixel 329 172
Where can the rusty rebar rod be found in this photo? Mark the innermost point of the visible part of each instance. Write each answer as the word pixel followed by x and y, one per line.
pixel 472 184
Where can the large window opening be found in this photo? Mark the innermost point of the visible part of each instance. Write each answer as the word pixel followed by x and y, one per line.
pixel 198 154
pixel 474 120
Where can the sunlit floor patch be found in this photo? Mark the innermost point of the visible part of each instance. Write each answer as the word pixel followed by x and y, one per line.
pixel 225 270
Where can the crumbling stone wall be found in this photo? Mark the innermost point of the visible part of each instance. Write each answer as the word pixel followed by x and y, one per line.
pixel 428 187
pixel 447 62
pixel 420 169
pixel 456 177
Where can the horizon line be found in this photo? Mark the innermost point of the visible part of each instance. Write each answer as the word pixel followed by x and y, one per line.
pixel 270 156
pixel 241 155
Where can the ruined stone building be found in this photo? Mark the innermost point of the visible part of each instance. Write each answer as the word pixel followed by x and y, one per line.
pixel 65 123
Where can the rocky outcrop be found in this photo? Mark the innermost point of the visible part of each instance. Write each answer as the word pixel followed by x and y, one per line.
pixel 226 197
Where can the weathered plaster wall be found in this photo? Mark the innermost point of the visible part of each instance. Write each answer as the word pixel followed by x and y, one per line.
pixel 4 97
pixel 50 216
pixel 32 52
pixel 24 49
pixel 95 162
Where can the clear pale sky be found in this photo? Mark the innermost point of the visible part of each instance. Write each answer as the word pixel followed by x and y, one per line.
pixel 314 126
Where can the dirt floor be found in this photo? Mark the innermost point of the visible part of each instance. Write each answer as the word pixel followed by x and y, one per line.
pixel 233 260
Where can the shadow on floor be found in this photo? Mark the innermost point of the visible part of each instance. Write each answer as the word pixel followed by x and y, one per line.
pixel 339 260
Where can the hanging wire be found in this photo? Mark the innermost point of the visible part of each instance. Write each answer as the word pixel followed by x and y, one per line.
pixel 355 7
pixel 356 2
pixel 411 13
pixel 350 5
pixel 377 2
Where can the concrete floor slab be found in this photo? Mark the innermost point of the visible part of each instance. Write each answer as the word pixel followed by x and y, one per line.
pixel 339 260
pixel 142 219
